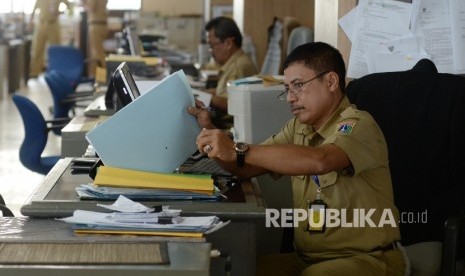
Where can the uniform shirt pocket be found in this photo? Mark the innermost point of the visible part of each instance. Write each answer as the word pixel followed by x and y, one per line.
pixel 328 179
pixel 333 191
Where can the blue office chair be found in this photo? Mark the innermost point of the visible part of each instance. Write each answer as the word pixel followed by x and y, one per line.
pixel 65 99
pixel 60 89
pixel 35 137
pixel 69 61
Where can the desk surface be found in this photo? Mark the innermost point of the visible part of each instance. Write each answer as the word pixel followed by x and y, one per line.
pixel 56 197
pixel 186 256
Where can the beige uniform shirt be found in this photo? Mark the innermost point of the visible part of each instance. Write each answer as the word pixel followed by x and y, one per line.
pixel 239 65
pixel 366 185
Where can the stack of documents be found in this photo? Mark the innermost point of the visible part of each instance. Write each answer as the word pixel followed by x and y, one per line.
pixel 91 191
pixel 134 218
pixel 111 182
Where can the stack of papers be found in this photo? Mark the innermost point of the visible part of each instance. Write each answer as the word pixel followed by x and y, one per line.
pixel 91 191
pixel 388 35
pixel 134 218
pixel 111 182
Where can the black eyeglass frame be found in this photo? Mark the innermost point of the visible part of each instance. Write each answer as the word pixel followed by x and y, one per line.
pixel 297 87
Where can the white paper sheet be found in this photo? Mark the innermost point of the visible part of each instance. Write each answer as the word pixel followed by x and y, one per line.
pixel 396 55
pixel 457 15
pixel 348 23
pixel 378 22
pixel 434 33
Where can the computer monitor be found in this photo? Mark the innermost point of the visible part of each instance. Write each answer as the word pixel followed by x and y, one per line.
pixel 124 85
pixel 135 46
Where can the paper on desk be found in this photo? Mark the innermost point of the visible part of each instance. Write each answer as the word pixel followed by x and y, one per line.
pixel 99 220
pixel 123 204
pixel 90 191
pixel 153 133
pixel 143 223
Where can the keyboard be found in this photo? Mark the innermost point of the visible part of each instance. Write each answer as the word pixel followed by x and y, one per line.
pixel 204 166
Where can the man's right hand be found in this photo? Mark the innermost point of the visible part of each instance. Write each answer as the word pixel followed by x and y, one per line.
pixel 202 114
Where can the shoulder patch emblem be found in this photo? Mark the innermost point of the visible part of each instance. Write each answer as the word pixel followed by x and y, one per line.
pixel 345 127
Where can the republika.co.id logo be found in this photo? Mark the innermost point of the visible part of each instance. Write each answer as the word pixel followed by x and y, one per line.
pixel 318 219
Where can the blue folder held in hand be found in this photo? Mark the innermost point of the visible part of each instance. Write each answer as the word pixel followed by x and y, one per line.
pixel 153 133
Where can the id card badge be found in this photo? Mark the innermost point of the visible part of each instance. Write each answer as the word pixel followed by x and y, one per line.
pixel 316 216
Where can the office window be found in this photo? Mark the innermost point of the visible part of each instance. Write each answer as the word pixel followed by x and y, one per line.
pixel 20 6
pixel 17 6
pixel 26 6
pixel 124 5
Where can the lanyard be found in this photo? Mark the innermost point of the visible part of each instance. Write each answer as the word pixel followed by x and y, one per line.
pixel 318 189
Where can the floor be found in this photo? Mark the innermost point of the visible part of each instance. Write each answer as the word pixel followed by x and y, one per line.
pixel 16 182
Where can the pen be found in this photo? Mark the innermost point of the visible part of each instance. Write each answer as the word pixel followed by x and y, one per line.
pixel 158 220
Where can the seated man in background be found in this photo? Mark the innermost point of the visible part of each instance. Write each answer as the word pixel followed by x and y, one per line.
pixel 338 160
pixel 225 42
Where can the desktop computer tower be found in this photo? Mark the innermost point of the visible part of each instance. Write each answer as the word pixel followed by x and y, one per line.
pixel 257 111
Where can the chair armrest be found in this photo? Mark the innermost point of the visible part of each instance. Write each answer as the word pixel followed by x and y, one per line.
pixel 6 211
pixel 58 120
pixel 450 245
pixel 74 99
pixel 82 93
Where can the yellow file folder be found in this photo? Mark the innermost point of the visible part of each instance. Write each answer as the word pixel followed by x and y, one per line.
pixel 117 177
pixel 140 233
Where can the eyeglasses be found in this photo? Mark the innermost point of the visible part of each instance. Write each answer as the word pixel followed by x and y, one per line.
pixel 295 88
pixel 213 45
pixel 221 41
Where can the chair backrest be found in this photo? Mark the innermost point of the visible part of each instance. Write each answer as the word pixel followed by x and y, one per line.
pixel 35 137
pixel 60 89
pixel 421 113
pixel 67 60
pixel 299 36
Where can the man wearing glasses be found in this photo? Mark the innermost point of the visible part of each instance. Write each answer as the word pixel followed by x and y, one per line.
pixel 225 41
pixel 337 157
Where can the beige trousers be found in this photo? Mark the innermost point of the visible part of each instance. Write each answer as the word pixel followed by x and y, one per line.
pixel 389 263
pixel 45 32
pixel 97 35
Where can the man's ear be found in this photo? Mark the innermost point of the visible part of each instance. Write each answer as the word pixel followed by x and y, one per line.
pixel 333 81
pixel 229 43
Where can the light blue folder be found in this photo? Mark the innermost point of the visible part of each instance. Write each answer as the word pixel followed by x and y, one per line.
pixel 153 133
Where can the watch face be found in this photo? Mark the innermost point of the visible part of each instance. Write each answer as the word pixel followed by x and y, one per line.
pixel 242 147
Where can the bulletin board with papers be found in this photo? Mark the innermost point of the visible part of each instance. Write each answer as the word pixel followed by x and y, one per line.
pixel 390 35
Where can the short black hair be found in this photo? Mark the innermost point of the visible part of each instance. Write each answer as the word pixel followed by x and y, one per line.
pixel 225 27
pixel 319 57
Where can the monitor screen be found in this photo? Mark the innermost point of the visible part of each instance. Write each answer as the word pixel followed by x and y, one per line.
pixel 124 85
pixel 135 47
